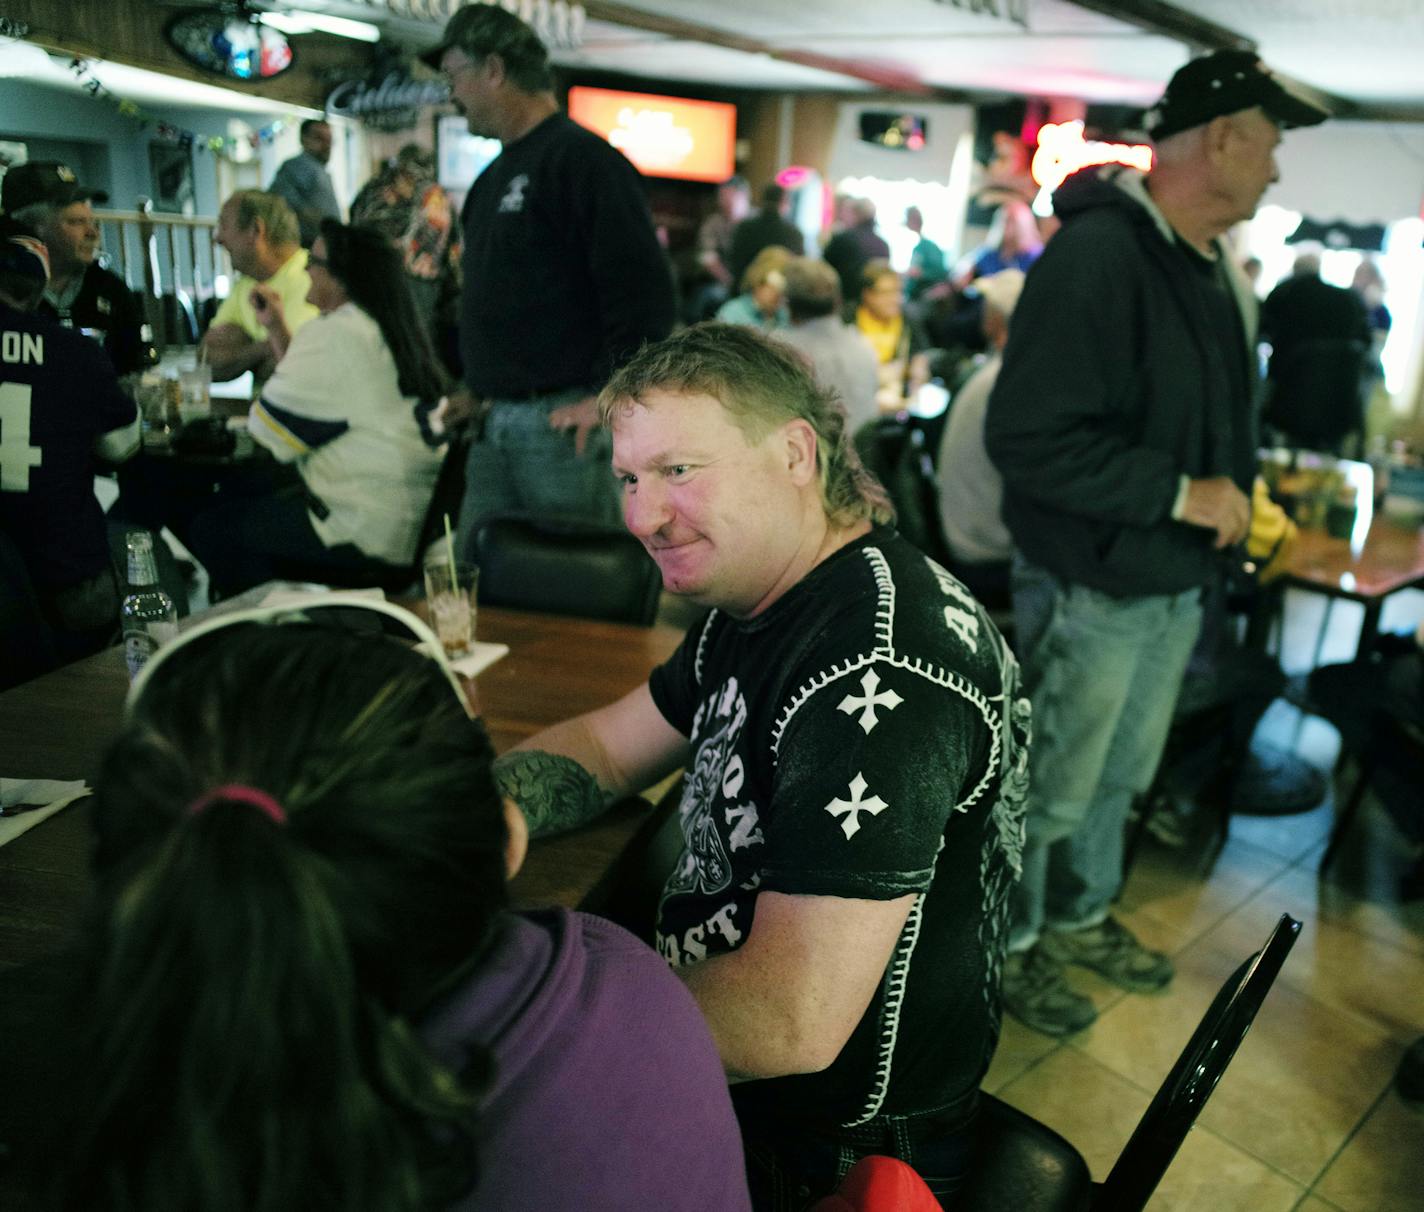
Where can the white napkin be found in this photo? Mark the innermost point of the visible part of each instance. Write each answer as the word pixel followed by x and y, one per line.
pixel 480 657
pixel 54 794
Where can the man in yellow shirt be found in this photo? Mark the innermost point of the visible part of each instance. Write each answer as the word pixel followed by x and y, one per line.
pixel 260 234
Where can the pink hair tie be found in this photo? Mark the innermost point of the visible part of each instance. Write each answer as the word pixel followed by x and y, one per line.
pixel 240 793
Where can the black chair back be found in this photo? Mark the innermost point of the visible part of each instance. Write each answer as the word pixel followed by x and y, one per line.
pixel 894 452
pixel 1023 1165
pixel 1190 1082
pixel 180 319
pixel 592 572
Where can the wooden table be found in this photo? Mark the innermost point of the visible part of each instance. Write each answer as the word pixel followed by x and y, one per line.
pixel 59 725
pixel 1387 558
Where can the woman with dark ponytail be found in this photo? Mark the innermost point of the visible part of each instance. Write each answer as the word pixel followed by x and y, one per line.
pixel 304 986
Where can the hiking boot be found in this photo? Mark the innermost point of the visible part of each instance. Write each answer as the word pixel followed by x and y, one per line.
pixel 1110 950
pixel 1036 994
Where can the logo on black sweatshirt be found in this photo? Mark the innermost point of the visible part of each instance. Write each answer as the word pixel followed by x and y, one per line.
pixel 513 201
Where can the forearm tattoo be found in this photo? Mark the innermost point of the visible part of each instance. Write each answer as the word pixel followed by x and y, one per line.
pixel 554 792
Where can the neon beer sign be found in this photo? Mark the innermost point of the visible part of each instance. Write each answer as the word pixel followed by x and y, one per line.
pixel 1062 151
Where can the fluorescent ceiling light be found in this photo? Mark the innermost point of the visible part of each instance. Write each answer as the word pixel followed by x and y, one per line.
pixel 306 23
pixel 25 63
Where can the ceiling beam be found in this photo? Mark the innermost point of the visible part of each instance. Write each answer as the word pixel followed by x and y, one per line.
pixel 881 75
pixel 1158 17
pixel 1200 35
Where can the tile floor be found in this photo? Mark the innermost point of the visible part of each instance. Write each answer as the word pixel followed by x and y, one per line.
pixel 1305 1117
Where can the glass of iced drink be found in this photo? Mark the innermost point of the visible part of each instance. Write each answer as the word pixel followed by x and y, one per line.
pixel 450 595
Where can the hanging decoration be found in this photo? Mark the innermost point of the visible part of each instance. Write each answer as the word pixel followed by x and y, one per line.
pixel 219 145
pixel 1008 10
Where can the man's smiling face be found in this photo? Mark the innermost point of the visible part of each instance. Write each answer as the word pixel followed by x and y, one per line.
pixel 719 511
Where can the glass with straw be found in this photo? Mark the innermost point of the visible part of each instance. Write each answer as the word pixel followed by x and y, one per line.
pixel 450 594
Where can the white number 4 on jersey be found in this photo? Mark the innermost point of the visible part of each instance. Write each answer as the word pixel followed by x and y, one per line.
pixel 17 456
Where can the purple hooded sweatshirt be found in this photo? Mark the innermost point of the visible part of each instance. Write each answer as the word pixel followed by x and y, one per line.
pixel 608 1092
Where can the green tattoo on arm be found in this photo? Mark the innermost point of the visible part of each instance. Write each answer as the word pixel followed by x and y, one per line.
pixel 554 792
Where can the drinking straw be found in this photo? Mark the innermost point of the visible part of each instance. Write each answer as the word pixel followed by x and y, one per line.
pixel 450 555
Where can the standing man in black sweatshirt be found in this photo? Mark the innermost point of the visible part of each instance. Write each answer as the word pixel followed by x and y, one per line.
pixel 1123 424
pixel 564 280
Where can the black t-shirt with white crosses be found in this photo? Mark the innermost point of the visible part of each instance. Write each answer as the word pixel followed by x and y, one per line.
pixel 864 737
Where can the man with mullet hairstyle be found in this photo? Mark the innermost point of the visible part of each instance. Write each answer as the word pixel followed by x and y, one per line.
pixel 854 746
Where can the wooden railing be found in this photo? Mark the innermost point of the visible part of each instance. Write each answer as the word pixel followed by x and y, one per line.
pixel 172 262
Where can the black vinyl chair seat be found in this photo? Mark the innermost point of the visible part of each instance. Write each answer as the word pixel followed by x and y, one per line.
pixel 591 572
pixel 1022 1165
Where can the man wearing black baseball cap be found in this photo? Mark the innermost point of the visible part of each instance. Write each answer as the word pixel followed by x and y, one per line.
pixel 1228 82
pixel 1123 425
pixel 47 196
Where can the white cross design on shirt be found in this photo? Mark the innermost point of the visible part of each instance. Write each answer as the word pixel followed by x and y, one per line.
pixel 870 683
pixel 852 808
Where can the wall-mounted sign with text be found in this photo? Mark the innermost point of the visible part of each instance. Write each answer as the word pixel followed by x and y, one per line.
pixel 392 102
pixel 662 136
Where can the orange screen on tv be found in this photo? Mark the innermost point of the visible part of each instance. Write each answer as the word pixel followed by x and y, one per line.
pixel 663 136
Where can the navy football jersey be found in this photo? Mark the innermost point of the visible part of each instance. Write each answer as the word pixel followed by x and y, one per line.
pixel 60 405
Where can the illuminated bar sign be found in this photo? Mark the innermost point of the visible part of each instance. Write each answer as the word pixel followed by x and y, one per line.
pixel 663 136
pixel 1062 151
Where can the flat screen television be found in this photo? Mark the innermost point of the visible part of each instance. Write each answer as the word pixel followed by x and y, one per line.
pixel 663 136
pixel 897 131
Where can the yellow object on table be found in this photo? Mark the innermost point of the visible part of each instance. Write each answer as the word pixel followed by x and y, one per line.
pixel 1272 533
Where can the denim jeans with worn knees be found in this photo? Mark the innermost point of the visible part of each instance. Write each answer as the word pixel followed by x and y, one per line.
pixel 1103 674
pixel 520 467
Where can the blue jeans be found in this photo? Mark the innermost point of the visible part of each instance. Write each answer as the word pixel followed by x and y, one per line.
pixel 520 467
pixel 1103 674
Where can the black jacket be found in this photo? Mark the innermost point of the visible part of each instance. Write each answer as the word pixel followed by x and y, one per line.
pixel 1113 387
pixel 104 304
